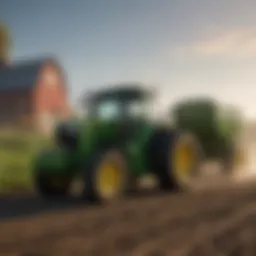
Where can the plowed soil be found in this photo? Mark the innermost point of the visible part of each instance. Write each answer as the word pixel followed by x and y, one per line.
pixel 205 222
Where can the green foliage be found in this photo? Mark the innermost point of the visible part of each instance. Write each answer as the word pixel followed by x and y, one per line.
pixel 197 116
pixel 214 124
pixel 230 121
pixel 17 150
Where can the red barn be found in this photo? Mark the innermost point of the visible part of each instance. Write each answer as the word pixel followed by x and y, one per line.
pixel 33 94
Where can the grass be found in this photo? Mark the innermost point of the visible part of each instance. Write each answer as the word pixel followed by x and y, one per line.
pixel 17 150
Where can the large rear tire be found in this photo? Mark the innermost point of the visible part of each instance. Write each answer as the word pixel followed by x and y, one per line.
pixel 176 159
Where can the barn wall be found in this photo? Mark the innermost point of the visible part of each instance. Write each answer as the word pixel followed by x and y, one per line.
pixel 16 108
pixel 50 98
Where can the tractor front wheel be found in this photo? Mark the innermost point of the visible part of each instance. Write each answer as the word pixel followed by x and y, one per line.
pixel 106 177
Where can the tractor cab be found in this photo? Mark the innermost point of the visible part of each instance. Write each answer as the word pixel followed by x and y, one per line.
pixel 123 109
pixel 120 104
pixel 120 112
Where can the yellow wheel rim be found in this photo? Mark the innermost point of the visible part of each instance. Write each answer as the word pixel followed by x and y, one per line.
pixel 109 179
pixel 184 159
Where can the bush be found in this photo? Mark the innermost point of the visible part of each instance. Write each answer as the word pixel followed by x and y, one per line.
pixel 17 150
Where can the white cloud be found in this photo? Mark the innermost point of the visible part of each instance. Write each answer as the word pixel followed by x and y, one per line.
pixel 235 43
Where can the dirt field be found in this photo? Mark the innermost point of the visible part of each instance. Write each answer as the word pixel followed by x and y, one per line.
pixel 206 222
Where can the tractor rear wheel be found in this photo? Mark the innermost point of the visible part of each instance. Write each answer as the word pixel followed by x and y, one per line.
pixel 176 158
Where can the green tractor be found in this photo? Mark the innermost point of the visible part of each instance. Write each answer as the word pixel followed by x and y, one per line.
pixel 217 127
pixel 115 145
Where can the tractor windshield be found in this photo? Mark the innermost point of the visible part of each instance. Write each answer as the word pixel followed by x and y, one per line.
pixel 116 109
pixel 120 103
pixel 137 108
pixel 108 110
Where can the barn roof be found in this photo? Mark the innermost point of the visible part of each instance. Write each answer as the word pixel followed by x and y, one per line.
pixel 22 75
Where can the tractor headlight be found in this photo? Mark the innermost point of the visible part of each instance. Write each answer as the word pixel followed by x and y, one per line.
pixel 66 136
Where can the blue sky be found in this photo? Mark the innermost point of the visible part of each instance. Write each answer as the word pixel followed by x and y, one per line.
pixel 182 46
